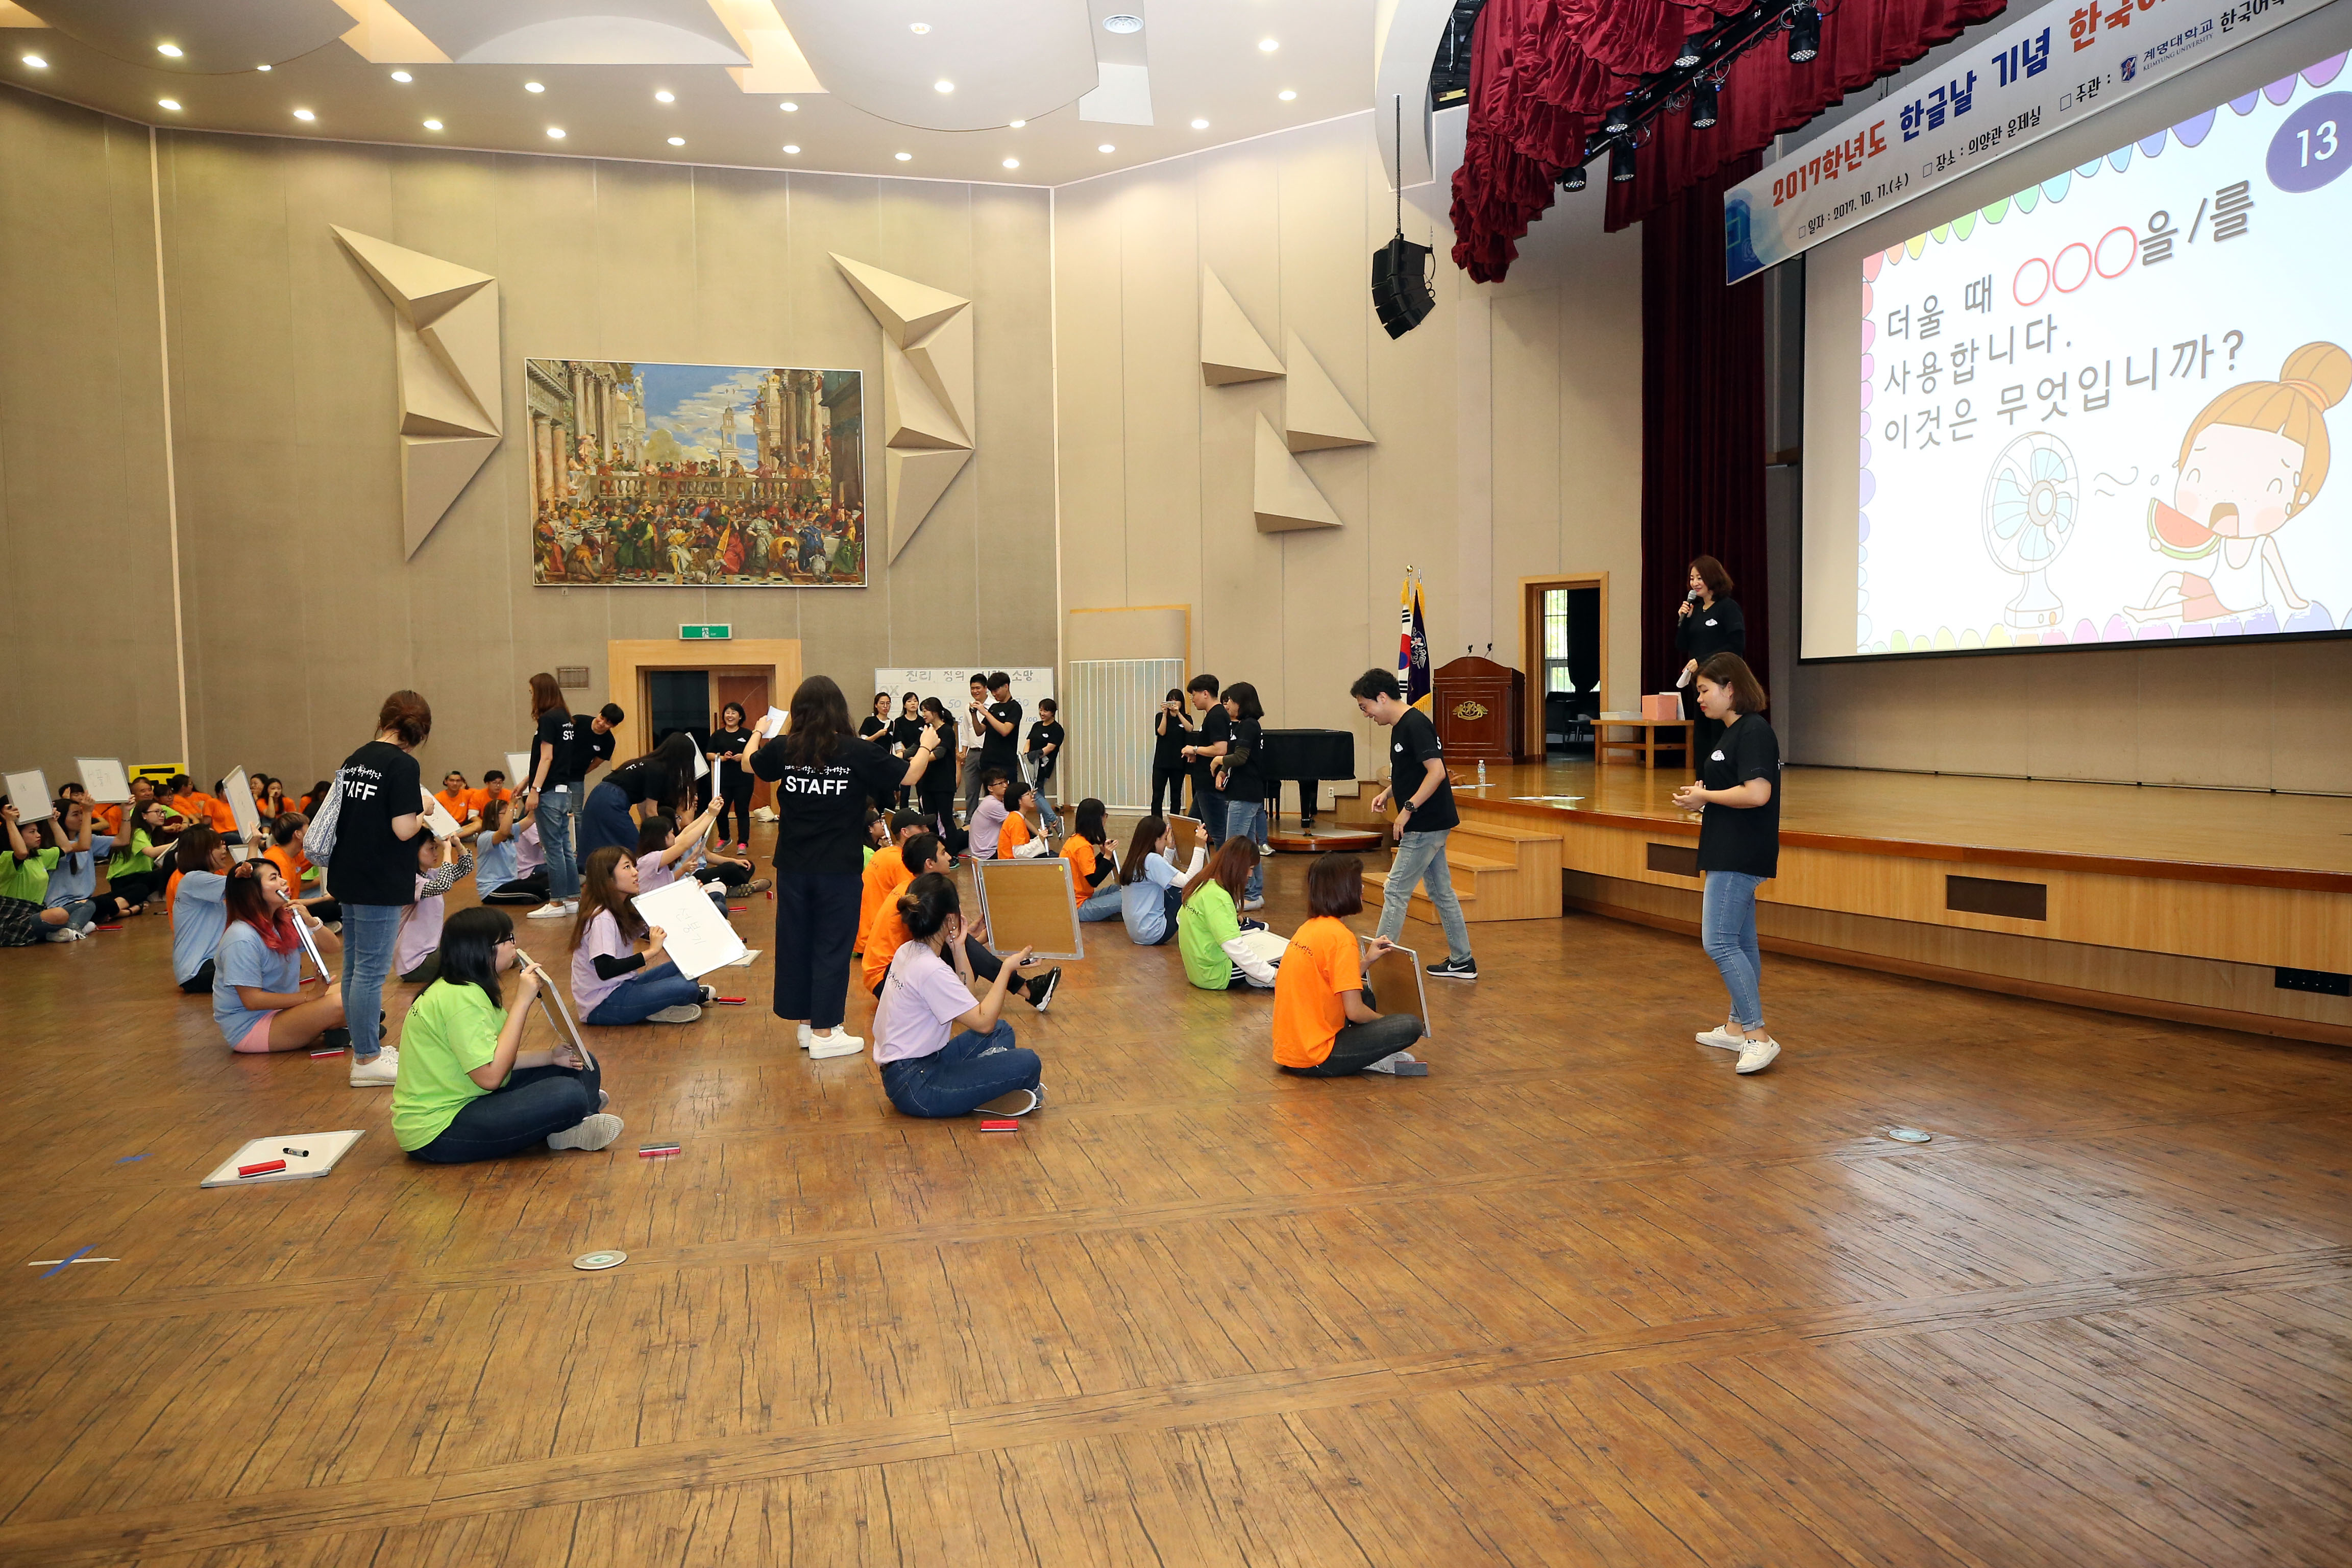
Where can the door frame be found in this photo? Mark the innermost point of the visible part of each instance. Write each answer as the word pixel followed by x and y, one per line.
pixel 626 659
pixel 1531 592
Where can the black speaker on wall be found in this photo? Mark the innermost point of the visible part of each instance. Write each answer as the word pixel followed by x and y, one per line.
pixel 1401 291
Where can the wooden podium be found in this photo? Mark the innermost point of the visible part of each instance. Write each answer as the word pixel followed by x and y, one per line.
pixel 1479 706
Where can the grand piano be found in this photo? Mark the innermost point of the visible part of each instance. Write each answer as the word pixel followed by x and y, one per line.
pixel 1306 757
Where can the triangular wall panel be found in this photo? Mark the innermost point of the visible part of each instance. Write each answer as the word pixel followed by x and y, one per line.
pixel 1231 349
pixel 943 359
pixel 1315 412
pixel 927 391
pixel 916 483
pixel 906 309
pixel 434 471
pixel 1285 497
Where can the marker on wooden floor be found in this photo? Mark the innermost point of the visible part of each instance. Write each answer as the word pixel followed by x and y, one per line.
pixel 1000 1124
pixel 263 1169
pixel 128 1159
pixel 730 1001
pixel 656 1150
pixel 67 1261
pixel 329 1051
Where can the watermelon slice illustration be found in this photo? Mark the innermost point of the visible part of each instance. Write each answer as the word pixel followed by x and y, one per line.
pixel 2178 534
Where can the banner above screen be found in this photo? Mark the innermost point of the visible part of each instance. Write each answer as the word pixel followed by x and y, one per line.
pixel 2023 83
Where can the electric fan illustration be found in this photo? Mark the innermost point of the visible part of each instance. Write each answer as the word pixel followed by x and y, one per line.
pixel 2030 500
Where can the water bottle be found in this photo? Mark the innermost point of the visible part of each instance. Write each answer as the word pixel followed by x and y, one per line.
pixel 1482 772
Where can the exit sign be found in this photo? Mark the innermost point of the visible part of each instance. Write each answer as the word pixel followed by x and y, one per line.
pixel 722 632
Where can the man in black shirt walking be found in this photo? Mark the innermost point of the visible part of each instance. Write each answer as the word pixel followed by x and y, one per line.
pixel 1425 815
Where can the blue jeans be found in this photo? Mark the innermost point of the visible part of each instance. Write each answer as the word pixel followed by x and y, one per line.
pixel 518 1114
pixel 605 820
pixel 962 1075
pixel 1420 857
pixel 1246 819
pixel 1212 816
pixel 1104 904
pixel 1726 928
pixel 1046 807
pixel 370 932
pixel 644 994
pixel 556 805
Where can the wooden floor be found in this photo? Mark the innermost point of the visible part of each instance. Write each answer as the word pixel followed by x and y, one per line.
pixel 1580 1296
pixel 2128 822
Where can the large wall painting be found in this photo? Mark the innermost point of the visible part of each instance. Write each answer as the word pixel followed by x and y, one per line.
pixel 663 475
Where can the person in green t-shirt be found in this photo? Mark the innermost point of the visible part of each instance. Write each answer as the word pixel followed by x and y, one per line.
pixel 1208 928
pixel 25 886
pixel 467 1089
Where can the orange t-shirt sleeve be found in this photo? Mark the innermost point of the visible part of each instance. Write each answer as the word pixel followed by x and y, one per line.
pixel 1079 852
pixel 224 819
pixel 883 937
pixel 1016 833
pixel 1320 966
pixel 883 876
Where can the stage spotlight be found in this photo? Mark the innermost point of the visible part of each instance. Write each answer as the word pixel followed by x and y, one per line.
pixel 1804 34
pixel 1688 54
pixel 1572 178
pixel 1620 163
pixel 1703 104
pixel 1617 119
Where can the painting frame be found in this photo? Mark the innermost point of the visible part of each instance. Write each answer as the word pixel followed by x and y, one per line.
pixel 668 474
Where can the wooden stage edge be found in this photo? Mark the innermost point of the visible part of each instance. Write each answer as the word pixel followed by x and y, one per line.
pixel 2167 903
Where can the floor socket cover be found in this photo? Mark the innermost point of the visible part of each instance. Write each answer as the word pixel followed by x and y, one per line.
pixel 1908 1135
pixel 600 1260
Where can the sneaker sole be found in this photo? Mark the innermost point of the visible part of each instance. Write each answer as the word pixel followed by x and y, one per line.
pixel 1745 1069
pixel 1723 1042
pixel 823 1050
pixel 1450 975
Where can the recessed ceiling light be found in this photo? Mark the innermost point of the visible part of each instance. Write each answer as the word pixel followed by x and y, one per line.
pixel 1017 124
pixel 1106 147
pixel 678 141
pixel 790 148
pixel 1200 125
pixel 261 67
pixel 169 103
pixel 304 114
pixel 1124 22
pixel 36 62
pixel 918 27
pixel 402 76
pixel 943 85
pixel 534 86
pixel 1267 45
pixel 665 96
pixel 1285 95
pixel 169 51
pixel 902 157
pixel 432 125
pixel 555 133
pixel 789 107
pixel 1012 162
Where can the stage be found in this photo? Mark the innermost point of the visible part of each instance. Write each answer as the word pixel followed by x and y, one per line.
pixel 2178 903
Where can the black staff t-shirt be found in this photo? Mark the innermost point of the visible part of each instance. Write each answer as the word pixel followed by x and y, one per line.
pixel 908 733
pixel 821 811
pixel 646 779
pixel 369 866
pixel 1168 737
pixel 1216 725
pixel 1042 735
pixel 589 748
pixel 999 751
pixel 1742 838
pixel 1412 742
pixel 1244 782
pixel 559 732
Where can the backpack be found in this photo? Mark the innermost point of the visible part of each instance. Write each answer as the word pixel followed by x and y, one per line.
pixel 319 838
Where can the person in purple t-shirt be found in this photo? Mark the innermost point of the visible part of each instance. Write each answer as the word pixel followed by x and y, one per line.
pixel 940 1053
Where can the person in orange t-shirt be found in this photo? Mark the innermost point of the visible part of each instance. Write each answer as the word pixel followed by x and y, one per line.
pixel 887 932
pixel 887 872
pixel 218 811
pixel 1324 1025
pixel 456 799
pixel 1093 863
pixel 285 852
pixel 1021 826
pixel 494 787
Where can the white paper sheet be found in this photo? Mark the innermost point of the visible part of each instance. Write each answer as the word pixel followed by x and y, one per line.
pixel 701 764
pixel 29 793
pixel 238 789
pixel 518 771
pixel 104 778
pixel 696 937
pixel 320 1153
pixel 437 816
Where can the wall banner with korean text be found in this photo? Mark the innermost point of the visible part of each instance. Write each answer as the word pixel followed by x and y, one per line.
pixel 2099 410
pixel 2019 85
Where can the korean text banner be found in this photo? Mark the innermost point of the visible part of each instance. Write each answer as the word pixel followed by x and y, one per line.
pixel 2099 410
pixel 2017 87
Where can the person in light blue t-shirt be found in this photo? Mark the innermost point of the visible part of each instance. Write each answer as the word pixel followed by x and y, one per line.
pixel 197 917
pixel 1152 890
pixel 258 1001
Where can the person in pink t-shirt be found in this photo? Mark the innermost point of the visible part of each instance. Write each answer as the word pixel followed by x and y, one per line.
pixel 940 1053
pixel 416 958
pixel 620 972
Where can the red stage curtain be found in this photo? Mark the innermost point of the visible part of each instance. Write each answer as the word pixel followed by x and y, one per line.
pixel 1702 422
pixel 1543 72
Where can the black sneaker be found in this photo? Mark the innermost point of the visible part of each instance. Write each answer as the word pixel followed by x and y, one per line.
pixel 1455 969
pixel 1041 991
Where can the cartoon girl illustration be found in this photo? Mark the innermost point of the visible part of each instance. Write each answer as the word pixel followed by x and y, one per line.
pixel 2255 456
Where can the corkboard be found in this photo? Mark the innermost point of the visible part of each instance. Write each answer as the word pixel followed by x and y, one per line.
pixel 1185 835
pixel 1396 984
pixel 1032 904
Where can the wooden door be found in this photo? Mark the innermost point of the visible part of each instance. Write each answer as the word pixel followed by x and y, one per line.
pixel 749 687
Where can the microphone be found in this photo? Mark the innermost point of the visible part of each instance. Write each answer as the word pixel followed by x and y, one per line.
pixel 1691 597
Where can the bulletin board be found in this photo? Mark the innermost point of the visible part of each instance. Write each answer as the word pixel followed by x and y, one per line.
pixel 1032 904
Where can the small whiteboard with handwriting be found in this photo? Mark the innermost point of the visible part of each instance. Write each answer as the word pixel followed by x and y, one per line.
pixel 695 935
pixel 104 778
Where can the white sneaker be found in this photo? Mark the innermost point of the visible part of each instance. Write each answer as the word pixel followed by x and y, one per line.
pixel 594 1133
pixel 380 1071
pixel 1250 904
pixel 683 1013
pixel 806 1034
pixel 1758 1055
pixel 1020 1102
pixel 553 910
pixel 1265 849
pixel 1724 1039
pixel 840 1043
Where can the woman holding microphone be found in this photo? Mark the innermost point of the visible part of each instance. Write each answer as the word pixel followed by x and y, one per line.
pixel 823 775
pixel 1739 793
pixel 1708 623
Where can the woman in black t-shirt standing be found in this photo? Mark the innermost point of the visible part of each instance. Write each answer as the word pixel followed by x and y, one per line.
pixel 1709 623
pixel 1738 789
pixel 1170 731
pixel 726 755
pixel 1241 782
pixel 823 775
pixel 373 871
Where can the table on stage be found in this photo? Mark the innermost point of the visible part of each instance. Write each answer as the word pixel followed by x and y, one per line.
pixel 1648 743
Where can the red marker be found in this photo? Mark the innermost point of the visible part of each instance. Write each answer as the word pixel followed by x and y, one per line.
pixel 331 1051
pixel 732 1001
pixel 261 1170
pixel 1008 1125
pixel 655 1151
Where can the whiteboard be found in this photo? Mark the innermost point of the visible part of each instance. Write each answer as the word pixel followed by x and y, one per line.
pixel 29 793
pixel 951 684
pixel 104 779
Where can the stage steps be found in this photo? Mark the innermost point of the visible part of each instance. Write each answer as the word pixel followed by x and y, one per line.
pixel 1499 871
